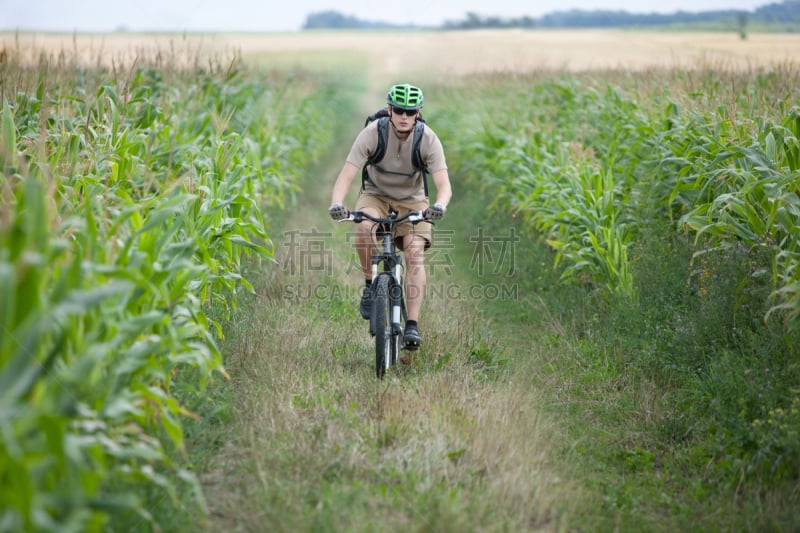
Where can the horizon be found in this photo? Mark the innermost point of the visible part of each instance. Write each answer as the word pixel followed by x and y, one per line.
pixel 95 16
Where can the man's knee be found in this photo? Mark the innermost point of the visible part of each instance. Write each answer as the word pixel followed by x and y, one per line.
pixel 366 228
pixel 414 248
pixel 363 229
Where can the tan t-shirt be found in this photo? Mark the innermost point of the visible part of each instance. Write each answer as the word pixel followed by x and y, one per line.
pixel 406 185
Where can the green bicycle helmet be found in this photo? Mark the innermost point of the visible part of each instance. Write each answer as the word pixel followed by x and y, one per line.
pixel 405 96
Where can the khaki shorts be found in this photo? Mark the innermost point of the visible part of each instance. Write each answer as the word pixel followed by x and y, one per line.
pixel 383 204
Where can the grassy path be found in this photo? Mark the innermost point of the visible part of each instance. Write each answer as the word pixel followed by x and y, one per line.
pixel 314 442
pixel 519 413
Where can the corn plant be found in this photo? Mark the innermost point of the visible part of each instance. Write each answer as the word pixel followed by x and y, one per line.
pixel 588 168
pixel 129 207
pixel 763 209
pixel 563 190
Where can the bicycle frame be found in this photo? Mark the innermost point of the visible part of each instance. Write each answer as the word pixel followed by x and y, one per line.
pixel 392 264
pixel 387 325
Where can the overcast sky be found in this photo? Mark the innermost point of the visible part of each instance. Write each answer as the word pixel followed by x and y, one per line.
pixel 289 15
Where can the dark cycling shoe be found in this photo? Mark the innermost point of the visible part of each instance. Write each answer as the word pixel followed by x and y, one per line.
pixel 366 303
pixel 412 338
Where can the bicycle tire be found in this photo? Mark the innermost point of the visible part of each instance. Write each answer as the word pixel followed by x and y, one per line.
pixel 382 316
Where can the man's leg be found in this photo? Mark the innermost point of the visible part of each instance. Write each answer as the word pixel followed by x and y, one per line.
pixel 365 241
pixel 365 247
pixel 416 280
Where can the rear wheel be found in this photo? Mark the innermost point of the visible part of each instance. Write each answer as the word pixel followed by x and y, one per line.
pixel 382 313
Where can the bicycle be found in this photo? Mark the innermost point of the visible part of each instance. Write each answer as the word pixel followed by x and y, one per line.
pixel 388 316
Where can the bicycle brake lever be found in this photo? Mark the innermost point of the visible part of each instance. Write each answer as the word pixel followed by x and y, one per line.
pixel 351 217
pixel 419 217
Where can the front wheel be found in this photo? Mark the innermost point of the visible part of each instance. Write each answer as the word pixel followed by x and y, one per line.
pixel 382 315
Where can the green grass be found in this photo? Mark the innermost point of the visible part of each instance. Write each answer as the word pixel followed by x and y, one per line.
pixel 522 412
pixel 553 407
pixel 621 416
pixel 453 442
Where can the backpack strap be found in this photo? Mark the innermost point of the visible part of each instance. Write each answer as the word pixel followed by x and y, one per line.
pixel 416 155
pixel 380 149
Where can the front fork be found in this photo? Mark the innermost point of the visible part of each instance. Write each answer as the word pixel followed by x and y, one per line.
pixel 395 295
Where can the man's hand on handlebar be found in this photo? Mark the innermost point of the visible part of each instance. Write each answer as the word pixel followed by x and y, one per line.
pixel 338 212
pixel 435 212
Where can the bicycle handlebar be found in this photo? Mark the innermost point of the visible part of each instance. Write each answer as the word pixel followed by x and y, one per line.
pixel 412 216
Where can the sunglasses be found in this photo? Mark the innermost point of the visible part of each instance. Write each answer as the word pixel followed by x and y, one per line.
pixel 408 112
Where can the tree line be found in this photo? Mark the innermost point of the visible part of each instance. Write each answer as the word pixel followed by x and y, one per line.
pixel 786 13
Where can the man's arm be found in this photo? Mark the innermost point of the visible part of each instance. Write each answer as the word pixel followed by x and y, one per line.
pixel 346 176
pixel 443 191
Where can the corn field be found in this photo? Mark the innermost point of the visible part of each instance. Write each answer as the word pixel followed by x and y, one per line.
pixel 131 201
pixel 608 171
pixel 591 164
pixel 134 199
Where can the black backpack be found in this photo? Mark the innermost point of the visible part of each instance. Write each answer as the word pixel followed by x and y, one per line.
pixel 382 116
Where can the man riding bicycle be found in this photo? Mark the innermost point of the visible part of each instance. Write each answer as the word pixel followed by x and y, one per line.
pixel 395 183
